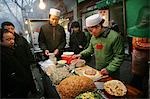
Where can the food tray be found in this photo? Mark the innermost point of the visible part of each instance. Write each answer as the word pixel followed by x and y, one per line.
pixel 80 71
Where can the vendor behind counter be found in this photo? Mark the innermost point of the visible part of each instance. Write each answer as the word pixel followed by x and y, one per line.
pixel 106 44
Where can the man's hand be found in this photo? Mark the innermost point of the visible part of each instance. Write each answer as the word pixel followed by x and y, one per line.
pixel 104 71
pixel 56 51
pixel 46 52
pixel 77 56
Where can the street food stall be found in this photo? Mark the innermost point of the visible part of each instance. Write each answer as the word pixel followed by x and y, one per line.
pixel 72 78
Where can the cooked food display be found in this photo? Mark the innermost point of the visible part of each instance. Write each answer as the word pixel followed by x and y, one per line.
pixel 49 70
pixel 59 74
pixel 115 87
pixel 78 62
pixel 74 85
pixel 89 95
pixel 90 72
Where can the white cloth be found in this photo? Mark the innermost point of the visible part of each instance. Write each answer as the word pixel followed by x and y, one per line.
pixel 93 20
pixel 54 12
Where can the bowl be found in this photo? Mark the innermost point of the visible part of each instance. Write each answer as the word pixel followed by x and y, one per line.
pixel 68 53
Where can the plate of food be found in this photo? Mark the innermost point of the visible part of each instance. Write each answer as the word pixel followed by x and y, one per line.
pixel 115 88
pixel 89 95
pixel 93 74
pixel 90 73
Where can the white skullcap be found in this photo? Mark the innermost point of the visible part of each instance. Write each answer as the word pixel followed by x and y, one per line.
pixel 93 20
pixel 54 12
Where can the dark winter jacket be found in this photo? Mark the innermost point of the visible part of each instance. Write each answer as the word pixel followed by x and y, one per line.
pixel 24 55
pixel 52 37
pixel 77 39
pixel 14 77
pixel 23 52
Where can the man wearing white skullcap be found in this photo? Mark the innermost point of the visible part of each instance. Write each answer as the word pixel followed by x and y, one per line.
pixel 54 12
pixel 93 20
pixel 106 44
pixel 52 37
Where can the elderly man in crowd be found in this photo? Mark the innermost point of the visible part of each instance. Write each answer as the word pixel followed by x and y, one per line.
pixel 52 37
pixel 16 81
pixel 23 54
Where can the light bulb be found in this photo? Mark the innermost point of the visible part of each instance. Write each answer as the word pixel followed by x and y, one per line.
pixel 104 17
pixel 42 5
pixel 26 32
pixel 26 22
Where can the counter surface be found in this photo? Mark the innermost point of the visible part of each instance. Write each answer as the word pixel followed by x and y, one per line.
pixel 51 92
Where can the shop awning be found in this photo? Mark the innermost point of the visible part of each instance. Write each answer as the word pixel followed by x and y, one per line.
pixel 139 32
pixel 79 1
pixel 105 3
pixel 137 12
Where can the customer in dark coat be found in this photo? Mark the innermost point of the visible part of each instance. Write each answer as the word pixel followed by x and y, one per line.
pixel 22 53
pixel 88 37
pixel 114 26
pixel 22 47
pixel 78 39
pixel 52 37
pixel 14 77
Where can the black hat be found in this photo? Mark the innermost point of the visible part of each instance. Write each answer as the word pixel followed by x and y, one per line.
pixel 75 24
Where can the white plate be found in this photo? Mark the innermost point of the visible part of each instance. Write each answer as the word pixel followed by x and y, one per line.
pixel 68 53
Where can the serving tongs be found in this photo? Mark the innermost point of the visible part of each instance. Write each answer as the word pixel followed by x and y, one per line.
pixel 100 91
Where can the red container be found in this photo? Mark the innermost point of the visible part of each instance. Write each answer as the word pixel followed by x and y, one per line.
pixel 68 58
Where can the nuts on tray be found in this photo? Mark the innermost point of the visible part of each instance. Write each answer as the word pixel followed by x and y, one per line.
pixel 74 85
